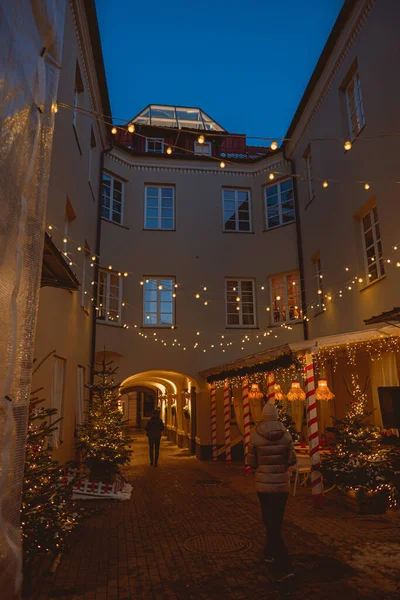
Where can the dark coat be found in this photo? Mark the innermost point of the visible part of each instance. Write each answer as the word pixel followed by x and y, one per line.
pixel 154 428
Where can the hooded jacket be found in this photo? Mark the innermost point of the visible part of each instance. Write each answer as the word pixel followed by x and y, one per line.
pixel 271 453
pixel 154 428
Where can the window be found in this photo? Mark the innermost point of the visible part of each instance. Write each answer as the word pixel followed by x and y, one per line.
pixel 92 151
pixel 236 206
pixel 285 297
pixel 158 302
pixel 355 106
pixel 112 199
pixel 279 204
pixel 240 303
pixel 109 297
pixel 372 245
pixel 202 149
pixel 80 397
pixel 155 145
pixel 78 94
pixel 309 174
pixel 159 207
pixel 57 400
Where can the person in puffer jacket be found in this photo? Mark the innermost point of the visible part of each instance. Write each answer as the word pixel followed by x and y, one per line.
pixel 271 453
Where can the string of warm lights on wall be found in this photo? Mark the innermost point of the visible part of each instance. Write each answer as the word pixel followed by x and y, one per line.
pixel 131 128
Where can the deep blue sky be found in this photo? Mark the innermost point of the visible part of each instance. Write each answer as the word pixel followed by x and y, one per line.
pixel 245 63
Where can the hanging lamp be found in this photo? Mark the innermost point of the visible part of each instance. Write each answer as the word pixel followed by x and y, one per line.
pixel 279 395
pixel 254 392
pixel 323 392
pixel 295 392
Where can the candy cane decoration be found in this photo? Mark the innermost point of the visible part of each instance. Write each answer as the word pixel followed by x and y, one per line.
pixel 313 439
pixel 213 422
pixel 227 423
pixel 271 387
pixel 246 421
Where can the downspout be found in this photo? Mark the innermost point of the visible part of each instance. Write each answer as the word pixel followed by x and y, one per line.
pixel 299 246
pixel 96 274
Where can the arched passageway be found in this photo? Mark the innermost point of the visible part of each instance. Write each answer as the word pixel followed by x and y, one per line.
pixel 173 393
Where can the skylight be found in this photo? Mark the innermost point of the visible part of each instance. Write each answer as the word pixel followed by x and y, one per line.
pixel 176 116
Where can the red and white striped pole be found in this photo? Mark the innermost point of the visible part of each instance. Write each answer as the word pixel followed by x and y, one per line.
pixel 227 423
pixel 246 421
pixel 312 427
pixel 271 387
pixel 213 422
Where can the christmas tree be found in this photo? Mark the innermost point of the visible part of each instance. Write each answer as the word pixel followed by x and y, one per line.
pixel 286 419
pixel 47 510
pixel 357 461
pixel 103 441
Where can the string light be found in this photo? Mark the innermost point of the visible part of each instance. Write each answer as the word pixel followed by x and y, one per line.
pixel 325 184
pixel 274 145
pixel 347 145
pixel 222 164
pixel 366 186
pixel 169 150
pixel 271 176
pixel 114 130
pixel 131 128
pixel 200 139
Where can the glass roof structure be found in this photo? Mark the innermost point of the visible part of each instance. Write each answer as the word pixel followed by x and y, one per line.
pixel 177 117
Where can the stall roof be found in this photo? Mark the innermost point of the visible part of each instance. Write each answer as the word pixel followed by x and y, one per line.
pixel 55 270
pixel 385 317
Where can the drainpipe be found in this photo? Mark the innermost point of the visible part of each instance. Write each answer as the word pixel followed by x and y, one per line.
pixel 299 245
pixel 96 273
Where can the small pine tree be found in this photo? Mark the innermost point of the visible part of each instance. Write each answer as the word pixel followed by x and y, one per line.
pixel 103 441
pixel 286 419
pixel 357 461
pixel 47 511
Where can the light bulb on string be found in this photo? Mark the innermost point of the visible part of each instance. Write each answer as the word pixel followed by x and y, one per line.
pixel 366 186
pixel 200 139
pixel 274 145
pixel 131 128
pixel 325 184
pixel 222 164
pixel 271 176
pixel 348 145
pixel 114 130
pixel 169 150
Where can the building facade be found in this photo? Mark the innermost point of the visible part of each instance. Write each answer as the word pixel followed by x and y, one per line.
pixel 65 326
pixel 343 150
pixel 204 248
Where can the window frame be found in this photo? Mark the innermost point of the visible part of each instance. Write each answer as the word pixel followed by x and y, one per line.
pixel 239 281
pixel 285 277
pixel 236 191
pixel 359 105
pixel 279 194
pixel 153 139
pixel 78 94
pixel 158 279
pixel 106 309
pixel 110 209
pixel 201 146
pixel 159 207
pixel 380 269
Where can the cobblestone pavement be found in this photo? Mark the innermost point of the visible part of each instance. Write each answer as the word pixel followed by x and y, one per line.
pixel 183 535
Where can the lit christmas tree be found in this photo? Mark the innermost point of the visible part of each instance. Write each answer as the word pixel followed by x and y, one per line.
pixel 357 461
pixel 47 511
pixel 103 441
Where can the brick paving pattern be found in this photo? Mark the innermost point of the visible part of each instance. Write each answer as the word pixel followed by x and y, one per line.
pixel 185 536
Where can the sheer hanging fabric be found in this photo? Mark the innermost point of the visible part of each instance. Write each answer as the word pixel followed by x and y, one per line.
pixel 31 34
pixel 383 373
pixel 238 407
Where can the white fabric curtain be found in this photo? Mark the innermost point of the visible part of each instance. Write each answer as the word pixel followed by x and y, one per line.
pixel 297 412
pixel 255 409
pixel 324 414
pixel 238 406
pixel 383 373
pixel 80 397
pixel 57 398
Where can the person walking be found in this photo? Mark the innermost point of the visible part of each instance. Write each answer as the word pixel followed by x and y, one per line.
pixel 271 453
pixel 154 428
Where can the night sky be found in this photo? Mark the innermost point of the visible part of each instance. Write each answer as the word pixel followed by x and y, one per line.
pixel 244 63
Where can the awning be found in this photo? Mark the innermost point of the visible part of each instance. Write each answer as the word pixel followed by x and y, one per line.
pixel 385 317
pixel 55 270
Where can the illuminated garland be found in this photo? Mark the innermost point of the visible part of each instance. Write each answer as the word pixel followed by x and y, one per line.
pixel 282 362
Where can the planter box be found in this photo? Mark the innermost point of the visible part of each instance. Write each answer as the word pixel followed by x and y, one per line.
pixel 369 504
